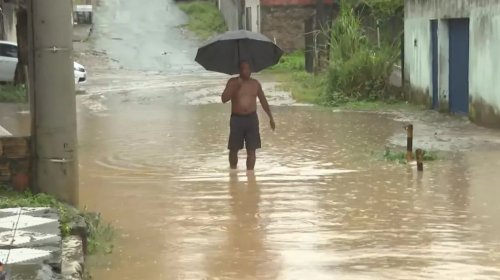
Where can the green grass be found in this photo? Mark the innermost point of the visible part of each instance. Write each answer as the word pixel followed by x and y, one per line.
pixel 400 156
pixel 293 62
pixel 100 235
pixel 312 89
pixel 389 105
pixel 304 87
pixel 12 94
pixel 205 20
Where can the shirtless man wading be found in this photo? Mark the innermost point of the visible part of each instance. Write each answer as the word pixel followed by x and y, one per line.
pixel 243 92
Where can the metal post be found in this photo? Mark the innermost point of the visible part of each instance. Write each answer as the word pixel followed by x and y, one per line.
pixel 409 142
pixel 54 103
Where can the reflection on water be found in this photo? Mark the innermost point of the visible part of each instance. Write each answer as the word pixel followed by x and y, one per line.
pixel 318 207
pixel 242 254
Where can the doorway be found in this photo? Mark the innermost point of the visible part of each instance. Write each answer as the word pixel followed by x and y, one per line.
pixel 459 66
pixel 435 65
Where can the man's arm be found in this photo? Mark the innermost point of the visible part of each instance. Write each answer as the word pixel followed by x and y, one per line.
pixel 228 91
pixel 265 106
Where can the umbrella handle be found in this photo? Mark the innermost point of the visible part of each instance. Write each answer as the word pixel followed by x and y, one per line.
pixel 239 55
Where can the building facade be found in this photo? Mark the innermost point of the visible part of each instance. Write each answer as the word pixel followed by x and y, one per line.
pixel 281 20
pixel 451 60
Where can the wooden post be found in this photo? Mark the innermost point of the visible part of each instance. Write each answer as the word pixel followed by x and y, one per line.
pixel 409 142
pixel 420 159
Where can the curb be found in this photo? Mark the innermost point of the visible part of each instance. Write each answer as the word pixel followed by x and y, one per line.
pixel 74 249
pixel 73 259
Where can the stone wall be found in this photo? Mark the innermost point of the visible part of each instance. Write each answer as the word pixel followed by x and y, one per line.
pixel 285 24
pixel 15 158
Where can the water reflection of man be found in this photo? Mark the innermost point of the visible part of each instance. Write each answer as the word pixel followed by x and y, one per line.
pixel 243 255
pixel 243 92
pixel 3 273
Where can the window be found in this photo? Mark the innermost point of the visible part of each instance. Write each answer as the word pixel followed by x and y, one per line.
pixel 8 50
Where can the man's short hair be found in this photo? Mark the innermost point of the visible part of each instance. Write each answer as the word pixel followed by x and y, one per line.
pixel 244 61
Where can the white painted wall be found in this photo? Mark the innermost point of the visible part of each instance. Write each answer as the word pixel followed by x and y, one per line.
pixel 418 65
pixel 485 55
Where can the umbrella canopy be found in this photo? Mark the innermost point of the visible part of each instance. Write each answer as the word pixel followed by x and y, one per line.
pixel 224 52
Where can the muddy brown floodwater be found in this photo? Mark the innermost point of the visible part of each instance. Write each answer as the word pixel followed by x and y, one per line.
pixel 320 205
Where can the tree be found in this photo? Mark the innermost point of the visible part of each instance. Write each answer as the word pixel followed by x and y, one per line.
pixel 22 45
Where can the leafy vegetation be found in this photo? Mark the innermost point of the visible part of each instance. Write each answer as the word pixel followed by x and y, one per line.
pixel 358 72
pixel 12 94
pixel 400 156
pixel 205 20
pixel 293 62
pixel 100 235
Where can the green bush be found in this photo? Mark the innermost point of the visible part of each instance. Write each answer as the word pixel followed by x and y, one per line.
pixel 291 62
pixel 364 76
pixel 358 70
pixel 205 20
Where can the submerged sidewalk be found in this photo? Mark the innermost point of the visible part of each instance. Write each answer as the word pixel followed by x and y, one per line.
pixel 30 243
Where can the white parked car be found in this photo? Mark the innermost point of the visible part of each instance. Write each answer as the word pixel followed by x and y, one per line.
pixel 8 63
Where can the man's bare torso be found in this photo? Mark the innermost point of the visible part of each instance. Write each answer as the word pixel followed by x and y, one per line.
pixel 244 95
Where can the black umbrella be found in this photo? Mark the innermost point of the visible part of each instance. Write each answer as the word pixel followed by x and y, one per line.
pixel 224 52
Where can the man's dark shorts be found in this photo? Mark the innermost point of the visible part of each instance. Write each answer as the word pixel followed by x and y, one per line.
pixel 244 130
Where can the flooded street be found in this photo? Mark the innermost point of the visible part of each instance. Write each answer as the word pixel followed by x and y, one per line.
pixel 321 205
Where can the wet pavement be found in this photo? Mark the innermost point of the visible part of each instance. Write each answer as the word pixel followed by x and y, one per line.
pixel 152 141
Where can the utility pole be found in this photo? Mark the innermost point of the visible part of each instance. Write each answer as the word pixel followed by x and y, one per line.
pixel 53 100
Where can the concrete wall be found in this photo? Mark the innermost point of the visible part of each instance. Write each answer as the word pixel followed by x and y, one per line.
pixel 484 61
pixel 418 59
pixel 231 10
pixel 484 66
pixel 15 162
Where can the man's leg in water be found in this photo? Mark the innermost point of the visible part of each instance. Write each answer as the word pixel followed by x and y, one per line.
pixel 251 158
pixel 233 159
